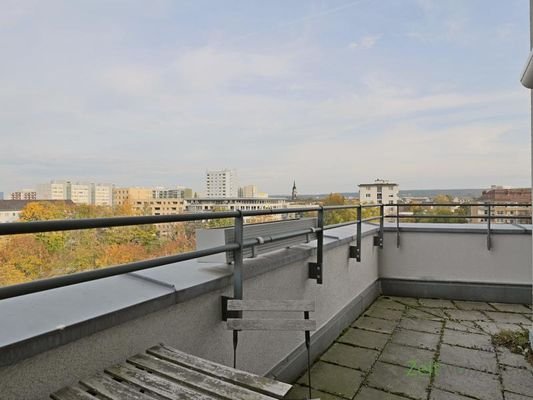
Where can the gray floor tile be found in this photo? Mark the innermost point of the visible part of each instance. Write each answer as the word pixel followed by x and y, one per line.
pixel 334 379
pixel 436 303
pixel 385 313
pixel 407 356
pixel 421 325
pixel 396 379
pixel 360 337
pixel 368 393
pixel 468 358
pixel 514 308
pixel 349 356
pixel 517 380
pixel 509 318
pixel 416 339
pixel 462 315
pixel 465 339
pixel 473 305
pixel 481 385
pixel 298 392
pixel 375 324
pixel 437 394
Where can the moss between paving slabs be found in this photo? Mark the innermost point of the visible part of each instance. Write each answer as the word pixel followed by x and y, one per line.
pixel 516 341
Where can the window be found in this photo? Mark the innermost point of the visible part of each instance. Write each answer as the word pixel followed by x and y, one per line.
pixel 368 195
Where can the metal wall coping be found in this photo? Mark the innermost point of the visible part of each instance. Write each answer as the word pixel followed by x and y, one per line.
pixel 459 228
pixel 35 323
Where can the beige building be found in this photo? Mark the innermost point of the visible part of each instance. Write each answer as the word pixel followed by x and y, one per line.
pixel 502 214
pixel 131 195
pixel 24 194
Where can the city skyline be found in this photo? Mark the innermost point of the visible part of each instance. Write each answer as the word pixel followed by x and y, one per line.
pixel 330 94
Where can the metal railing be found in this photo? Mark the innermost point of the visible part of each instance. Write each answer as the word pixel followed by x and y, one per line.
pixel 236 247
pixel 489 216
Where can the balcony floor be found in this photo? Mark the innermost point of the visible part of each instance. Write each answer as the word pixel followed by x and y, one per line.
pixel 406 348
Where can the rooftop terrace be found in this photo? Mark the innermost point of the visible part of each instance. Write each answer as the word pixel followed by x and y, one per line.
pixel 59 331
pixel 406 348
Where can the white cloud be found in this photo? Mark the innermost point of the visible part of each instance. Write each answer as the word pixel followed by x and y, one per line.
pixel 366 42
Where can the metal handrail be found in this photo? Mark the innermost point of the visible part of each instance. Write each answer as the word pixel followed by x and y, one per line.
pixel 236 247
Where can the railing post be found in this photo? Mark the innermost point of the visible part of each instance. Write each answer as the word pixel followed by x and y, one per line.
pixel 359 233
pixel 381 224
pixel 238 256
pixel 489 219
pixel 397 225
pixel 316 268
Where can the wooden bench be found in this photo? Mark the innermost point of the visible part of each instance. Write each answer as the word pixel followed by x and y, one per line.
pixel 166 373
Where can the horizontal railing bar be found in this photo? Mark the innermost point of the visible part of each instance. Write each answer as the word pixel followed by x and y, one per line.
pixel 461 216
pixel 86 276
pixel 460 204
pixel 11 228
pixel 250 213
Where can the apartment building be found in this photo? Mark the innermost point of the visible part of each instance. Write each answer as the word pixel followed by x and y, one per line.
pixel 221 184
pixel 380 192
pixel 24 194
pixel 239 203
pixel 517 198
pixel 131 195
pixel 98 194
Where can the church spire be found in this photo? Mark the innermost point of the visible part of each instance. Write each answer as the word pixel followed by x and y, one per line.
pixel 294 192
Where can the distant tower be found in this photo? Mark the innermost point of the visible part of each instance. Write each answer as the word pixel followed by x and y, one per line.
pixel 294 192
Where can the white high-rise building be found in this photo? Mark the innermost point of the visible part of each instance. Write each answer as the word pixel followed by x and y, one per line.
pixel 54 190
pixel 221 184
pixel 102 194
pixel 380 192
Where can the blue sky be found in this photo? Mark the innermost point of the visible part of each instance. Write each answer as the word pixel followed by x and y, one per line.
pixel 329 93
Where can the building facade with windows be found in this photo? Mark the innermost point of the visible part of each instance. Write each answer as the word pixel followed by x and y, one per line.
pixel 98 194
pixel 24 194
pixel 380 192
pixel 221 184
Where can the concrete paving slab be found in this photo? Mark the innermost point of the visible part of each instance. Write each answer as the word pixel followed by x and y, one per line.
pixel 465 339
pixel 421 325
pixel 396 380
pixel 334 379
pixel 468 358
pixel 473 305
pixel 385 302
pixel 436 313
pixel 437 394
pixel 375 324
pixel 418 313
pixel 349 356
pixel 468 382
pixel 506 357
pixel 362 338
pixel 512 308
pixel 368 393
pixel 492 328
pixel 385 313
pixel 517 380
pixel 461 315
pixel 513 396
pixel 509 318
pixel 411 357
pixel 437 303
pixel 302 392
pixel 464 326
pixel 408 301
pixel 421 340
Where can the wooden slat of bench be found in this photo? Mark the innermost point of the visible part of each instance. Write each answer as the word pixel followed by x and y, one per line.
pixel 254 382
pixel 271 324
pixel 195 379
pixel 113 390
pixel 71 393
pixel 271 305
pixel 155 384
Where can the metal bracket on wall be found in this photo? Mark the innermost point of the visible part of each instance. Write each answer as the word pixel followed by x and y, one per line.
pixel 355 253
pixel 315 272
pixel 227 313
pixel 378 241
pixel 315 268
